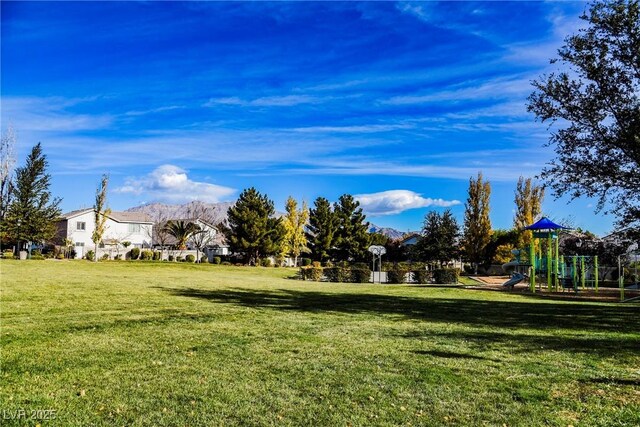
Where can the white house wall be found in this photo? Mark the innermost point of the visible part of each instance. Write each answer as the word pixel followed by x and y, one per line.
pixel 119 231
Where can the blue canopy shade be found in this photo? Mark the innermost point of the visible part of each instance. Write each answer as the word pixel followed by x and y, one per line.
pixel 546 224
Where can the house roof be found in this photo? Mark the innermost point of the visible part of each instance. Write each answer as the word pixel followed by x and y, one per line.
pixel 408 237
pixel 77 212
pixel 130 217
pixel 137 217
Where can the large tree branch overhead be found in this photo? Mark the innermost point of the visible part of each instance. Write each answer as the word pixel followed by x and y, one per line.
pixel 592 105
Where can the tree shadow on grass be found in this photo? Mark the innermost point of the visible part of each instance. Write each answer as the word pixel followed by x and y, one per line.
pixel 522 344
pixel 448 354
pixel 506 315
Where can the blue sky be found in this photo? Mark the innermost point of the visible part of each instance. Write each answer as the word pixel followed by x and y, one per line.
pixel 396 102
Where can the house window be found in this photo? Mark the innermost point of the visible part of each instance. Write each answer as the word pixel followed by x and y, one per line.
pixel 79 244
pixel 81 225
pixel 134 228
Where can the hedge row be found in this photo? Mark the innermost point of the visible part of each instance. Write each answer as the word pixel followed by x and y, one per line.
pixel 398 273
pixel 341 273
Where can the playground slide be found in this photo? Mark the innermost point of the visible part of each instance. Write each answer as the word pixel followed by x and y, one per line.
pixel 515 279
pixel 510 266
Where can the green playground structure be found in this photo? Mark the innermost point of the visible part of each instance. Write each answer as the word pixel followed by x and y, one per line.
pixel 571 272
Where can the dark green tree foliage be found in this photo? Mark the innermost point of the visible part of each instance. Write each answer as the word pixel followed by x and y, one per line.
pixel 32 213
pixel 439 240
pixel 595 100
pixel 352 233
pixel 252 228
pixel 500 238
pixel 321 229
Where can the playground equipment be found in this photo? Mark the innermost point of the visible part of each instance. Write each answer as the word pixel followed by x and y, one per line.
pixel 636 277
pixel 571 272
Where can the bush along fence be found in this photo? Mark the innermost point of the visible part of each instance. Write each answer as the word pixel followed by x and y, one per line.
pixel 397 273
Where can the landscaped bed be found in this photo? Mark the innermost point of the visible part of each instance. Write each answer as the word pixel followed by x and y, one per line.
pixel 144 343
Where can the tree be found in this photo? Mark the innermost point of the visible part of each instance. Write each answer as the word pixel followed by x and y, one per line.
pixel 101 213
pixel 352 232
pixel 502 242
pixel 7 162
pixel 201 239
pixel 439 239
pixel 32 213
pixel 295 240
pixel 181 231
pixel 595 101
pixel 528 201
pixel 321 230
pixel 477 225
pixel 252 228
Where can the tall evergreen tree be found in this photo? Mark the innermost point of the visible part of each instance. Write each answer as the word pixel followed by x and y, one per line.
pixel 439 239
pixel 477 225
pixel 252 228
pixel 352 234
pixel 32 213
pixel 528 200
pixel 101 213
pixel 294 221
pixel 321 230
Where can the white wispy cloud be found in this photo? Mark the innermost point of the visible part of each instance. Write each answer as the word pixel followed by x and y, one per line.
pixel 353 129
pixel 171 184
pixel 153 110
pixel 266 101
pixel 501 88
pixel 396 201
pixel 50 114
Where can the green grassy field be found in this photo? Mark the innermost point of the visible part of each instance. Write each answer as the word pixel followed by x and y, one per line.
pixel 150 344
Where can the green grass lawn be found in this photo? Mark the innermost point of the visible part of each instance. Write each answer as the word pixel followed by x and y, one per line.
pixel 149 344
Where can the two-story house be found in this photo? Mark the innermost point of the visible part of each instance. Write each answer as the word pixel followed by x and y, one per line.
pixel 78 226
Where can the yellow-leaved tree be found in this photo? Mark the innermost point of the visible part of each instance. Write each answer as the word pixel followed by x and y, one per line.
pixel 294 221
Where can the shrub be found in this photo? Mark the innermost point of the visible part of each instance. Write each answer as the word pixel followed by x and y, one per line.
pixel 190 258
pixel 60 256
pixel 204 259
pixel 170 258
pixel 339 273
pixel 216 260
pixel 146 255
pixel 306 262
pixel 134 253
pixel 157 255
pixel 226 263
pixel 37 257
pixel 105 257
pixel 314 273
pixel 89 255
pixel 7 254
pixel 118 257
pixel 421 276
pixel 360 274
pixel 265 262
pixel 397 273
pixel 446 275
pixel 36 253
pixel 179 258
